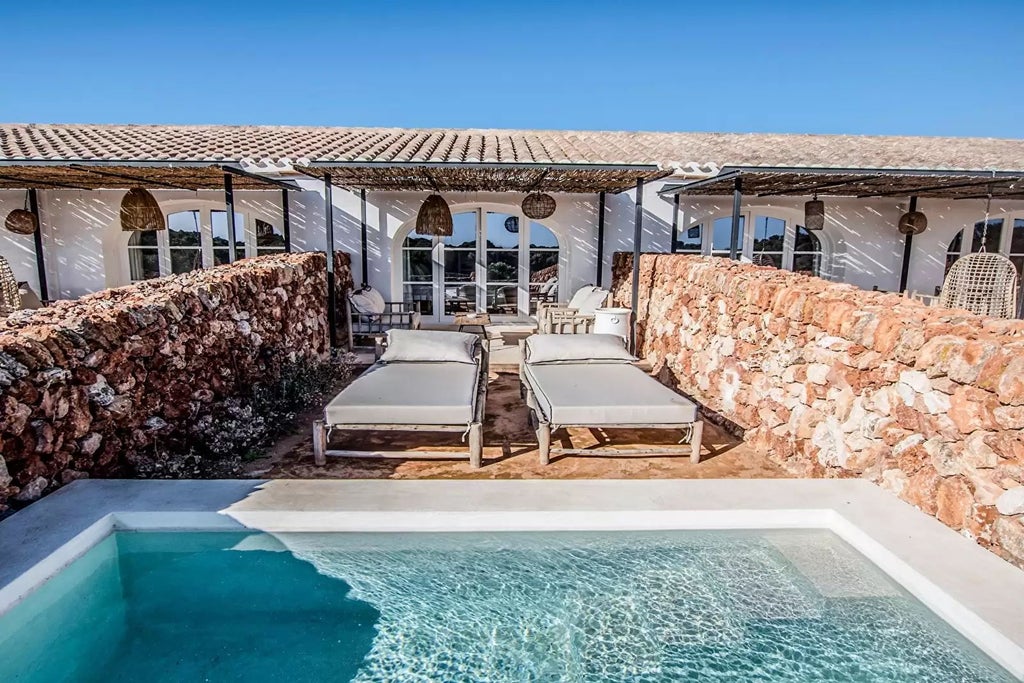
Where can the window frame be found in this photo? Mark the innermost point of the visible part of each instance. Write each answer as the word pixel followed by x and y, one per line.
pixel 747 251
pixel 245 233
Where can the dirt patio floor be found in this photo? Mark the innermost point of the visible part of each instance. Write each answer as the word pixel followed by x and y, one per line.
pixel 510 451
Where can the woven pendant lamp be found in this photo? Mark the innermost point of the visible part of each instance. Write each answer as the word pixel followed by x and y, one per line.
pixel 814 214
pixel 538 205
pixel 434 217
pixel 21 222
pixel 140 212
pixel 913 223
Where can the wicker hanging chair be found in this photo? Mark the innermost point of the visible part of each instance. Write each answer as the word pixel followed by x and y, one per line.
pixel 982 283
pixel 434 217
pixel 140 212
pixel 10 299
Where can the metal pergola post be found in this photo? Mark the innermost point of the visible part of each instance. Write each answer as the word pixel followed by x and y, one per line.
pixel 363 260
pixel 638 224
pixel 229 204
pixel 675 223
pixel 37 238
pixel 332 303
pixel 734 237
pixel 908 243
pixel 287 221
pixel 600 238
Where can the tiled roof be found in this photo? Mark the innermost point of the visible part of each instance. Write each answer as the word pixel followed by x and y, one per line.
pixel 277 144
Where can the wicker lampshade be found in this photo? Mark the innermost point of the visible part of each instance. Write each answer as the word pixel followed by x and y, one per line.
pixel 434 217
pixel 538 205
pixel 140 212
pixel 512 224
pixel 10 298
pixel 814 214
pixel 22 222
pixel 913 223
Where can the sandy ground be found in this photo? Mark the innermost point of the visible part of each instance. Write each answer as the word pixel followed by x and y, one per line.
pixel 510 451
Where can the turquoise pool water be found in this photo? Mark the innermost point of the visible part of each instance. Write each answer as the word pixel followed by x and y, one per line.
pixel 594 607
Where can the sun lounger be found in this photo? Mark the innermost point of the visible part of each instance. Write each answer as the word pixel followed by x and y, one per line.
pixel 425 381
pixel 590 381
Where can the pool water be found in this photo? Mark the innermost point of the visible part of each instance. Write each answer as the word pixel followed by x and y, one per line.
pixel 595 607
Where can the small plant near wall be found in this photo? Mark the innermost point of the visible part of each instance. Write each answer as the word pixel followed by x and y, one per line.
pixel 237 430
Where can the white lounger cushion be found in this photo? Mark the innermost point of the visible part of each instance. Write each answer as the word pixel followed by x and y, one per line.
pixel 576 348
pixel 408 393
pixel 430 346
pixel 605 394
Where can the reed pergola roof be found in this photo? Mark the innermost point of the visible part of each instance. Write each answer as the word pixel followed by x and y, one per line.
pixel 581 178
pixel 94 175
pixel 863 183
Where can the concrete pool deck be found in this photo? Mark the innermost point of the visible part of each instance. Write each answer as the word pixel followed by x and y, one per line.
pixel 972 589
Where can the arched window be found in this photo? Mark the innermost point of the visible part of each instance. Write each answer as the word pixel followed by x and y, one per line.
pixel 774 242
pixel 995 240
pixel 498 262
pixel 807 252
pixel 198 238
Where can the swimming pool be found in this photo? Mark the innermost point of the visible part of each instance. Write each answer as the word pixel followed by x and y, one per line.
pixel 736 605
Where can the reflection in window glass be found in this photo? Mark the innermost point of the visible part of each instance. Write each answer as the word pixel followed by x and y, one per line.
pixel 502 231
pixel 269 239
pixel 991 237
pixel 543 266
pixel 463 231
pixel 806 252
pixel 769 237
pixel 418 272
pixel 183 240
pixel 143 256
pixel 721 234
pixel 689 240
pixel 219 221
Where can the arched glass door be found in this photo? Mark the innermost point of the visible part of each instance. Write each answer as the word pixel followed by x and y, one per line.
pixel 494 262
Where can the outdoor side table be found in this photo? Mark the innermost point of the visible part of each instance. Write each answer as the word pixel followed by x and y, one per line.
pixel 480 320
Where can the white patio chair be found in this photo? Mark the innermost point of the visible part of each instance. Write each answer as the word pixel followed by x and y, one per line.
pixel 981 283
pixel 575 317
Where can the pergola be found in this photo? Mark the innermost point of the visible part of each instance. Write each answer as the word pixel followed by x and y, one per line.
pixel 157 175
pixel 850 182
pixel 354 176
pixel 482 177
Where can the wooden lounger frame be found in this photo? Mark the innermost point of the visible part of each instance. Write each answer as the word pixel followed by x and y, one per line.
pixel 543 427
pixel 322 431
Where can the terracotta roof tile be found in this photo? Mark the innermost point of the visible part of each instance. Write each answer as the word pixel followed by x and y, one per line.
pixel 58 142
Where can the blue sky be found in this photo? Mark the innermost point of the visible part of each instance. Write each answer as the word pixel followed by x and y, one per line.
pixel 898 67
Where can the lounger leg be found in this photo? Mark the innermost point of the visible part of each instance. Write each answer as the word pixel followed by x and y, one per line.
pixel 476 445
pixel 319 443
pixel 695 439
pixel 544 442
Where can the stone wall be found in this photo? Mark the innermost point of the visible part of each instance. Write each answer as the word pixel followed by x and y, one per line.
pixel 832 381
pixel 101 385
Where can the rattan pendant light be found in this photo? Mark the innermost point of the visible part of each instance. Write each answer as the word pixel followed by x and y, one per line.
pixel 912 223
pixel 22 221
pixel 538 205
pixel 814 214
pixel 140 212
pixel 434 217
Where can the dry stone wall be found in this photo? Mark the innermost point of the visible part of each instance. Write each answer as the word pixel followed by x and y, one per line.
pixel 832 381
pixel 98 386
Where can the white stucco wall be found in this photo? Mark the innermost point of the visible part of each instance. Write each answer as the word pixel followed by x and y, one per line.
pixel 85 247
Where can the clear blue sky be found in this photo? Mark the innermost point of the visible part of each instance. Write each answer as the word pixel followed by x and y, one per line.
pixel 896 67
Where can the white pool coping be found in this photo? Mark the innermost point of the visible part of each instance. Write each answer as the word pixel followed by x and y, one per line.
pixel 979 594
